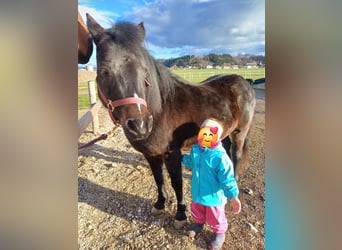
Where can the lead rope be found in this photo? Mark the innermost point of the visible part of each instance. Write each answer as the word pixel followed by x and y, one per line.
pixel 101 137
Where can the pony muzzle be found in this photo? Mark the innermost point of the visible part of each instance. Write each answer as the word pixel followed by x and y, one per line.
pixel 139 127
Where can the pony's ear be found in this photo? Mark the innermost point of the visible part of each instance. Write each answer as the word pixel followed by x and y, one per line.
pixel 141 28
pixel 94 28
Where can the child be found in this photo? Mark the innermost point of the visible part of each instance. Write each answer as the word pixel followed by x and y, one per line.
pixel 212 182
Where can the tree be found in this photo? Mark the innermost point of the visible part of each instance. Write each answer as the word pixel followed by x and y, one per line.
pixel 215 59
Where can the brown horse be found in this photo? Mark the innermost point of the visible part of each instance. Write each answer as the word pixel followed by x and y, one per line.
pixel 160 112
pixel 85 42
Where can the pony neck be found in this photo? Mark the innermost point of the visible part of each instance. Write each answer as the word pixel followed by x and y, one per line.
pixel 167 85
pixel 165 80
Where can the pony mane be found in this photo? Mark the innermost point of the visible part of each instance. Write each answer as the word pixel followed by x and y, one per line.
pixel 166 81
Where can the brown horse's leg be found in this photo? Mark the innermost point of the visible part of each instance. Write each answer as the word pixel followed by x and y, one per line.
pixel 239 151
pixel 244 161
pixel 157 171
pixel 174 167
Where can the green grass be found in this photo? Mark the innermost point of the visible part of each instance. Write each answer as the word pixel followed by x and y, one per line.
pixel 83 102
pixel 83 96
pixel 191 75
pixel 198 75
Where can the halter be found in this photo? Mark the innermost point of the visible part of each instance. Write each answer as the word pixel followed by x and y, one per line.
pixel 111 105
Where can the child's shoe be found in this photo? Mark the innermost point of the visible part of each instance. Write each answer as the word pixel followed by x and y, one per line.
pixel 217 241
pixel 194 229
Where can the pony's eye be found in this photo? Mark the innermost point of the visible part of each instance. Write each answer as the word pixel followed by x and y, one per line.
pixel 104 72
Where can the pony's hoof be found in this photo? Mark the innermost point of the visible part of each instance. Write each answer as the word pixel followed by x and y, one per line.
pixel 178 224
pixel 156 211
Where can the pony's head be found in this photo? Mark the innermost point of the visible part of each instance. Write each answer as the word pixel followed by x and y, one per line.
pixel 124 76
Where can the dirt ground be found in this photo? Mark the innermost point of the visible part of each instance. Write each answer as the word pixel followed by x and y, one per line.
pixel 116 192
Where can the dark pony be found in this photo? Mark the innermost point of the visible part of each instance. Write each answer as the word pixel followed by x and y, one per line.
pixel 160 113
pixel 85 42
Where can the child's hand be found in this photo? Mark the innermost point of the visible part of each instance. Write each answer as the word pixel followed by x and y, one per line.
pixel 236 205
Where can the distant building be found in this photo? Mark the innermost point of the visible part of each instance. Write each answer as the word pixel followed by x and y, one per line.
pixel 227 66
pixel 251 65
pixel 174 67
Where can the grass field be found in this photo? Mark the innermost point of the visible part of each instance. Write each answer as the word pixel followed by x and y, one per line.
pixel 198 75
pixel 191 75
pixel 83 96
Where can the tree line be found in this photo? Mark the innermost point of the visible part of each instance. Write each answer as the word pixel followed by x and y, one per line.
pixel 214 60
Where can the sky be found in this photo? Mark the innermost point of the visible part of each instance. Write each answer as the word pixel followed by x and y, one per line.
pixel 176 28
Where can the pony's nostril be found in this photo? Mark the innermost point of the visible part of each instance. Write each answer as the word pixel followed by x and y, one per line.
pixel 138 126
pixel 130 125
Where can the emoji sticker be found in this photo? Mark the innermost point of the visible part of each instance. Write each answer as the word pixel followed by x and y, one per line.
pixel 208 137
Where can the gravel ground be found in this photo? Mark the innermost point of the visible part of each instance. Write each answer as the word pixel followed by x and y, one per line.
pixel 116 192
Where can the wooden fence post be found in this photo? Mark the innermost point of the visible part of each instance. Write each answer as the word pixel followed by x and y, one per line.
pixel 92 97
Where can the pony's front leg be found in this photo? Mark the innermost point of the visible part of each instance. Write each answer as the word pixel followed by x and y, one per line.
pixel 174 167
pixel 157 171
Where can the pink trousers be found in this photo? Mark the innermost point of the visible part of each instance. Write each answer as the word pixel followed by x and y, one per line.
pixel 215 217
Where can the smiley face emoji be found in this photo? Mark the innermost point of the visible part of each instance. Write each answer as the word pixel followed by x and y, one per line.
pixel 208 137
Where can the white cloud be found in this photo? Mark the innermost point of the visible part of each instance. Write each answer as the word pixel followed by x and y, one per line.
pixel 102 17
pixel 202 1
pixel 203 24
pixel 177 27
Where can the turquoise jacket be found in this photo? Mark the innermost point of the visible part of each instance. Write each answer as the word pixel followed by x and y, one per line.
pixel 212 180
